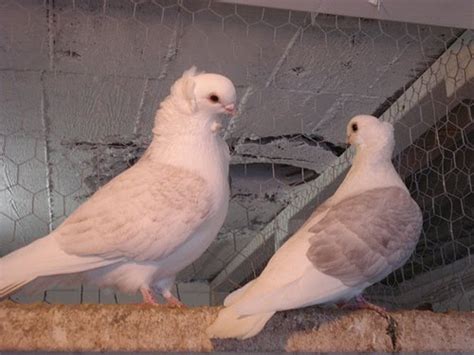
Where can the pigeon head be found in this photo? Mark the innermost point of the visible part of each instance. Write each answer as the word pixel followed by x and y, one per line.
pixel 206 93
pixel 215 94
pixel 368 131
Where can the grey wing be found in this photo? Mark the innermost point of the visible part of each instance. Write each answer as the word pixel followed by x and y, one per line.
pixel 364 238
pixel 143 214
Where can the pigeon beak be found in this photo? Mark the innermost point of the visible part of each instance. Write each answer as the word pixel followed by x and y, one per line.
pixel 230 109
pixel 348 140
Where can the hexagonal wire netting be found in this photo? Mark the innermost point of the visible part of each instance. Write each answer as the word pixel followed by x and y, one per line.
pixel 81 81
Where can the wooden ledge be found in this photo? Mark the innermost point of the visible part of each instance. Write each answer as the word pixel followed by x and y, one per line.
pixel 147 328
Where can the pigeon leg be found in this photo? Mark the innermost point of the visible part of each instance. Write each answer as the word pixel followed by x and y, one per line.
pixel 362 303
pixel 148 296
pixel 172 300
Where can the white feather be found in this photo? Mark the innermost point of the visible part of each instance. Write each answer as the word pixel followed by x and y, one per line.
pixel 152 220
pixel 291 280
pixel 230 325
pixel 43 257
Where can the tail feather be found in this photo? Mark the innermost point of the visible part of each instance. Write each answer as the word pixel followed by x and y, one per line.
pixel 237 294
pixel 43 257
pixel 230 325
pixel 43 283
pixel 12 287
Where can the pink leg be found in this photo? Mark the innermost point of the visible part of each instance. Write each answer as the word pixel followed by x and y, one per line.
pixel 148 296
pixel 362 303
pixel 172 300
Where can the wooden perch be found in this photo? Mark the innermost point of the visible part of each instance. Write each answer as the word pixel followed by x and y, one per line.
pixel 152 328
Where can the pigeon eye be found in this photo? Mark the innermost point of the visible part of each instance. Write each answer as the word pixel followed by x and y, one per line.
pixel 354 127
pixel 214 98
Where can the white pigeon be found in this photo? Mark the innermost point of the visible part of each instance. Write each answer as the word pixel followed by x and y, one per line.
pixel 367 229
pixel 154 219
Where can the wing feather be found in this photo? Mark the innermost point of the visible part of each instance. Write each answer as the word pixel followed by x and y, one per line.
pixel 160 206
pixel 363 238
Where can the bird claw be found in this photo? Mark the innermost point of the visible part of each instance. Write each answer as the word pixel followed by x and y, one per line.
pixel 172 301
pixel 148 296
pixel 362 303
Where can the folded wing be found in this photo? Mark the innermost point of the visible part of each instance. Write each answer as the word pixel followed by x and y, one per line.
pixel 143 214
pixel 364 238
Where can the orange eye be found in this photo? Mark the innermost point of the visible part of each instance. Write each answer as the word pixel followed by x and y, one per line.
pixel 214 98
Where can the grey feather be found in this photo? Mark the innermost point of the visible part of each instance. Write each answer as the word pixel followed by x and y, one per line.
pixel 365 237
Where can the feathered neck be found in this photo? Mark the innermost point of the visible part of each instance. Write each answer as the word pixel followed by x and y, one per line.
pixel 376 153
pixel 371 168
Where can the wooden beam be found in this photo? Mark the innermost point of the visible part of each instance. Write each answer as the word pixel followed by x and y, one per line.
pixel 137 328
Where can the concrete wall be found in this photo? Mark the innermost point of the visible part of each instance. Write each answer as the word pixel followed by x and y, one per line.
pixel 81 80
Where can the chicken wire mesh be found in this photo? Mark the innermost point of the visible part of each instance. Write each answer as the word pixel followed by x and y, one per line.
pixel 81 81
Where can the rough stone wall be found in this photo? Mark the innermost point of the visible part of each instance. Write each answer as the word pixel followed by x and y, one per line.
pixel 149 328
